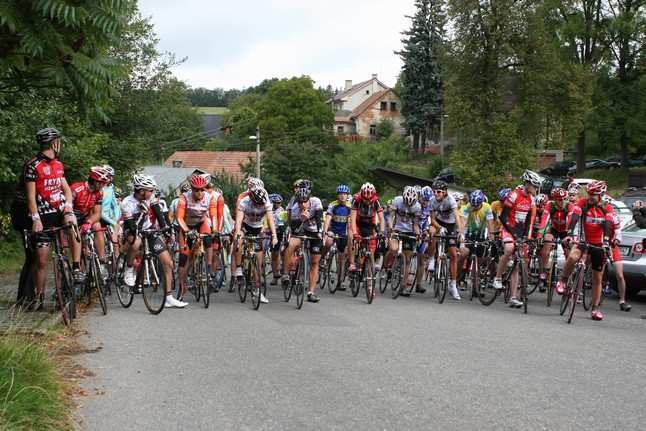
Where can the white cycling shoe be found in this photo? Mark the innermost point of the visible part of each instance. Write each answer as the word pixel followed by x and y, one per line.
pixel 171 302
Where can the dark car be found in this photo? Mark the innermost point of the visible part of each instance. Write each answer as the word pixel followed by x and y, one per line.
pixel 632 162
pixel 446 175
pixel 596 164
pixel 559 169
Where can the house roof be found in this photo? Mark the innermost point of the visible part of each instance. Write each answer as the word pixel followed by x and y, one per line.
pixel 169 178
pixel 370 101
pixel 344 94
pixel 213 162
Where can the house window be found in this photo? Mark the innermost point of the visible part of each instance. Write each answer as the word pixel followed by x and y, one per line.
pixel 177 163
pixel 384 106
pixel 367 91
pixel 339 130
pixel 393 106
pixel 373 130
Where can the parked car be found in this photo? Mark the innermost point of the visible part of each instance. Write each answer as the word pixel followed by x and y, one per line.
pixel 558 169
pixel 596 164
pixel 641 161
pixel 633 194
pixel 633 257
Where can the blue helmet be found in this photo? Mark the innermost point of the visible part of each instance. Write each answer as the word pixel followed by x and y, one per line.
pixel 477 197
pixel 426 193
pixel 342 188
pixel 502 194
pixel 275 198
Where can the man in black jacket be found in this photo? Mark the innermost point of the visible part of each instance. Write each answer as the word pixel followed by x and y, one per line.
pixel 639 214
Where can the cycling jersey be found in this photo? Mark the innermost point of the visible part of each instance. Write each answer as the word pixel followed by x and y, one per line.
pixel 425 216
pixel 139 211
pixel 192 212
pixel 84 199
pixel 444 209
pixel 311 223
pixel 404 215
pixel 340 213
pixel 477 220
pixel 219 206
pixel 281 217
pixel 227 227
pixel 556 218
pixel 48 174
pixel 496 209
pixel 520 204
pixel 110 211
pixel 366 218
pixel 597 220
pixel 253 213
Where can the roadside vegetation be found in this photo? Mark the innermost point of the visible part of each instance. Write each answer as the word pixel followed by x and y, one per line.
pixel 212 110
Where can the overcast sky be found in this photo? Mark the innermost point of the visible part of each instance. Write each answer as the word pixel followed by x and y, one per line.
pixel 235 44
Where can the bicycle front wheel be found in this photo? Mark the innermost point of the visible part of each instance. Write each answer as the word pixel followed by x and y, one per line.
pixel 124 292
pixel 368 279
pixel 255 282
pixel 65 297
pixel 551 281
pixel 99 283
pixel 152 280
pixel 586 291
pixel 524 292
pixel 299 288
pixel 442 280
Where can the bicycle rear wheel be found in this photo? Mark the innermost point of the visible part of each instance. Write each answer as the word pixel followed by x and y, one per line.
pixel 368 279
pixel 299 287
pixel 152 280
pixel 65 297
pixel 586 291
pixel 124 292
pixel 524 280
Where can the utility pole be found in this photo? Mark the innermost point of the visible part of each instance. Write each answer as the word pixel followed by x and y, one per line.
pixel 258 152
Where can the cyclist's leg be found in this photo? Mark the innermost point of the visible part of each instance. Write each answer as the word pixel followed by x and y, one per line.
pixel 294 243
pixel 393 247
pixel 315 258
pixel 41 255
pixel 342 250
pixel 597 262
pixel 508 249
pixel 545 251
pixel 167 261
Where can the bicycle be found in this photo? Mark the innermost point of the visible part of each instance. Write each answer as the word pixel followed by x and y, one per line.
pixel 398 269
pixel 579 284
pixel 518 261
pixel 251 267
pixel 298 275
pixel 94 279
pixel 65 290
pixel 364 277
pixel 441 274
pixel 218 275
pixel 330 270
pixel 554 272
pixel 474 270
pixel 534 266
pixel 147 280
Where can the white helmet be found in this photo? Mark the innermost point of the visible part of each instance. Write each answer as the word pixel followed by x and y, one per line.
pixel 409 196
pixel 532 177
pixel 457 196
pixel 109 169
pixel 255 183
pixel 141 181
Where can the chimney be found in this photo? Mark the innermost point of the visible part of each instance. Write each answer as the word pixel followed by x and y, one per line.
pixel 374 76
pixel 348 84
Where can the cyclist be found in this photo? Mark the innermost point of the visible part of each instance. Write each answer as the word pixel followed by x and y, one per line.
pixel 496 209
pixel 252 184
pixel 172 208
pixel 305 217
pixel 615 240
pixel 250 213
pixel 445 217
pixel 110 210
pixel 196 214
pixel 573 192
pixel 141 210
pixel 280 221
pixel 554 220
pixel 478 218
pixel 45 201
pixel 425 197
pixel 517 218
pixel 87 202
pixel 404 212
pixel 461 200
pixel 336 223
pixel 594 219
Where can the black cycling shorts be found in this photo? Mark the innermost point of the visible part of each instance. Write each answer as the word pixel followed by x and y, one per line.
pixel 49 221
pixel 450 230
pixel 408 244
pixel 315 243
pixel 253 231
pixel 280 233
pixel 475 237
pixel 597 256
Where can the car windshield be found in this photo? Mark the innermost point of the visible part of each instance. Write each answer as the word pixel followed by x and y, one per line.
pixel 634 228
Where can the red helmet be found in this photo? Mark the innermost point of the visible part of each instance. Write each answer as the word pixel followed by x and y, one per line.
pixel 368 191
pixel 99 174
pixel 597 187
pixel 198 182
pixel 558 193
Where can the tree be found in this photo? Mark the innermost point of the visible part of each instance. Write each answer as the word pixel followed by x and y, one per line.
pixel 59 44
pixel 421 76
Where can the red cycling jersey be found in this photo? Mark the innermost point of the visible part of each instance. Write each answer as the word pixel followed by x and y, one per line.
pixel 595 220
pixel 84 198
pixel 366 213
pixel 521 205
pixel 558 217
pixel 48 174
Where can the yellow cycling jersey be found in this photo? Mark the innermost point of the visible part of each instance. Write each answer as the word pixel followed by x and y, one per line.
pixel 496 208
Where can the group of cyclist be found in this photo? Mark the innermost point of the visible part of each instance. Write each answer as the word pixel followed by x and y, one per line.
pixel 412 223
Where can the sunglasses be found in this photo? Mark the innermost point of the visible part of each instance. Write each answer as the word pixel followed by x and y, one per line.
pixel 438 191
pixel 197 190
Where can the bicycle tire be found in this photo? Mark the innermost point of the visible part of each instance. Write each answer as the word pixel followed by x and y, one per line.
pixel 332 258
pixel 368 279
pixel 287 289
pixel 533 281
pixel 578 287
pixel 207 287
pixel 524 280
pixel 475 277
pixel 124 292
pixel 153 288
pixel 486 292
pixel 89 279
pixel 586 291
pixel 355 284
pixel 565 297
pixel 299 287
pixel 551 281
pixel 254 283
pixel 436 278
pixel 443 280
pixel 64 291
pixel 100 290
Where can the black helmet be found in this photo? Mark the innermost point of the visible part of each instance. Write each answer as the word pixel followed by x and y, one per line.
pixel 47 135
pixel 439 185
pixel 259 196
pixel 302 194
pixel 302 183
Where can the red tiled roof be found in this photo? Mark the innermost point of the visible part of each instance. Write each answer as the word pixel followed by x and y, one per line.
pixel 214 162
pixel 369 102
pixel 356 87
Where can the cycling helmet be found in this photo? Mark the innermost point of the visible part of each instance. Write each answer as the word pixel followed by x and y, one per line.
pixel 477 197
pixel 99 174
pixel 426 193
pixel 503 193
pixel 597 187
pixel 185 187
pixel 457 196
pixel 637 204
pixel 342 188
pixel 540 199
pixel 368 191
pixel 558 193
pixel 302 194
pixel 118 193
pixel 255 183
pixel 574 188
pixel 198 181
pixel 141 181
pixel 409 196
pixel 439 185
pixel 259 196
pixel 418 189
pixel 109 169
pixel 275 198
pixel 47 135
pixel 532 177
pixel 302 183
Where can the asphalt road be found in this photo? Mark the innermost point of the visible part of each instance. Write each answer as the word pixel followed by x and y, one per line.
pixel 342 364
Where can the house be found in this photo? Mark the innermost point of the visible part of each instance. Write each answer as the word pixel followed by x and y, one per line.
pixel 216 163
pixel 170 179
pixel 359 108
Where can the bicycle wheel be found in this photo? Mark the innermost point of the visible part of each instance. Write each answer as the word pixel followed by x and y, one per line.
pixel 586 291
pixel 443 280
pixel 254 282
pixel 578 287
pixel 551 281
pixel 218 275
pixel 299 287
pixel 89 281
pixel 396 279
pixel 475 277
pixel 565 297
pixel 242 285
pixel 323 273
pixel 99 284
pixel 523 280
pixel 65 297
pixel 332 276
pixel 206 283
pixel 287 289
pixel 368 279
pixel 355 284
pixel 533 274
pixel 152 280
pixel 124 292
pixel 486 292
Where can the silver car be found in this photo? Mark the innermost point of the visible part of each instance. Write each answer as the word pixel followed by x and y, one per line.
pixel 633 257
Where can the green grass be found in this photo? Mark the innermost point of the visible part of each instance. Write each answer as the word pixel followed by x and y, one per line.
pixel 212 110
pixel 12 255
pixel 31 392
pixel 617 179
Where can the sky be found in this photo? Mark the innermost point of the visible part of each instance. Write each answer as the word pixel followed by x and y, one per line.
pixel 237 44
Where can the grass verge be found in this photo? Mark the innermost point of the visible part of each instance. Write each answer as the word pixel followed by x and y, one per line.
pixel 32 389
pixel 212 110
pixel 12 254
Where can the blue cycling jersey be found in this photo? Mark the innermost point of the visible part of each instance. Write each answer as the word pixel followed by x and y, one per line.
pixel 340 213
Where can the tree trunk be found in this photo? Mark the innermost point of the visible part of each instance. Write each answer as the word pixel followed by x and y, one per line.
pixel 422 143
pixel 415 141
pixel 580 153
pixel 623 145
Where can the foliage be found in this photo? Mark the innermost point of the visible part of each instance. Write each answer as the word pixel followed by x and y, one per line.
pixel 61 44
pixel 385 128
pixel 230 189
pixel 212 110
pixel 30 390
